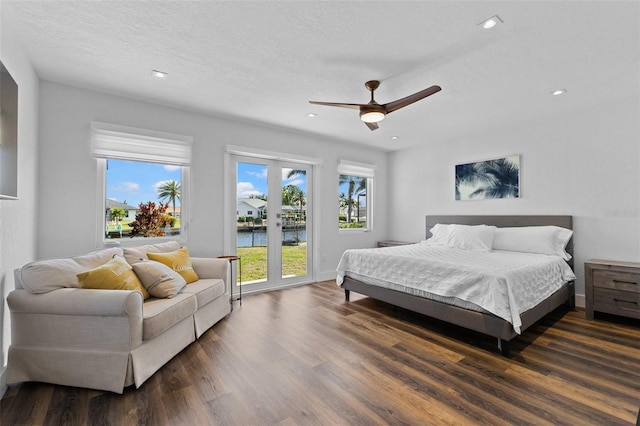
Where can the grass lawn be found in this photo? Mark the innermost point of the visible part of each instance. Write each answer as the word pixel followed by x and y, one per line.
pixel 254 261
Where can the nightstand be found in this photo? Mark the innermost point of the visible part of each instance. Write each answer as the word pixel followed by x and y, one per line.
pixel 389 243
pixel 612 287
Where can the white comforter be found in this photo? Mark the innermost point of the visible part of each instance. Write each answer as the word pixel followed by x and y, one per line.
pixel 503 283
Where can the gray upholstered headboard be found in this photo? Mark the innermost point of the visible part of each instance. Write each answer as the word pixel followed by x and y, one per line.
pixel 505 221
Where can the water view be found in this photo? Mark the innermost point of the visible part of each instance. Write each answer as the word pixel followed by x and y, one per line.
pixel 259 237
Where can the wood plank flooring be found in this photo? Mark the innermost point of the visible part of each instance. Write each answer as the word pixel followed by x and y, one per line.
pixel 305 356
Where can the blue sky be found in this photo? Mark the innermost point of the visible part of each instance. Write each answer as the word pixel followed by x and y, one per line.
pixel 252 180
pixel 136 182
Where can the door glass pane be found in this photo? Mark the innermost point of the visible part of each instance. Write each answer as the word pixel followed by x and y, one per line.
pixel 251 214
pixel 294 222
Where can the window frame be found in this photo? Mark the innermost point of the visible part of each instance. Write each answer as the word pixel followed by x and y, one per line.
pixel 361 170
pixel 116 142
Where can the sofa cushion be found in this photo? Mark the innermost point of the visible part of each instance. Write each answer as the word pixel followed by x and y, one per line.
pixel 139 253
pixel 205 290
pixel 159 315
pixel 159 280
pixel 179 261
pixel 116 274
pixel 43 276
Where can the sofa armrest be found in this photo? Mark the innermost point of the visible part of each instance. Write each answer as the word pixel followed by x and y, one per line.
pixel 208 267
pixel 76 318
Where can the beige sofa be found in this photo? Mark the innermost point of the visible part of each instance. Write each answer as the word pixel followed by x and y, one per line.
pixel 106 339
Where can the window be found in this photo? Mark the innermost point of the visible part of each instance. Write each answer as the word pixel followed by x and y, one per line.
pixel 355 189
pixel 143 178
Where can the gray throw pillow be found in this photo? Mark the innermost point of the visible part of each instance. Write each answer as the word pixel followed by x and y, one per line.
pixel 159 280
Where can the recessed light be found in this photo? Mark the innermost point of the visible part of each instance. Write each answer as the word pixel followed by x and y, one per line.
pixel 395 137
pixel 159 74
pixel 559 92
pixel 491 22
pixel 312 114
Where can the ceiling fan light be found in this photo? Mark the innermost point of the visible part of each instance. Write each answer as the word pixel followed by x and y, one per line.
pixel 372 116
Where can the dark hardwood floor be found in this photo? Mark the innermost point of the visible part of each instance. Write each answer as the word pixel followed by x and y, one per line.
pixel 305 356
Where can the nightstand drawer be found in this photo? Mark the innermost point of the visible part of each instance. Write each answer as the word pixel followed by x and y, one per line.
pixel 617 302
pixel 617 280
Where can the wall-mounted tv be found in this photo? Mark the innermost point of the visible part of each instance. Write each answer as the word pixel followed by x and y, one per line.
pixel 8 135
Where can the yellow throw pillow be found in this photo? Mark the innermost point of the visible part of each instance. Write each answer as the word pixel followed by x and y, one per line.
pixel 116 274
pixel 179 261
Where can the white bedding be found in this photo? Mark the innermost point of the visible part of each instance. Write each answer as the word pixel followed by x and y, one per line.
pixel 503 283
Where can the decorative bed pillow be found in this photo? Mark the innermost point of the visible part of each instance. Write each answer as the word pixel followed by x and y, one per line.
pixel 43 276
pixel 439 234
pixel 139 253
pixel 116 274
pixel 179 261
pixel 159 280
pixel 466 237
pixel 550 240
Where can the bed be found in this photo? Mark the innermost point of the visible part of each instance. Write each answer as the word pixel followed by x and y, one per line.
pixel 503 318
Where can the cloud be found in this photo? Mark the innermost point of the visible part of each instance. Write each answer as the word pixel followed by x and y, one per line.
pixel 297 182
pixel 246 189
pixel 129 187
pixel 171 168
pixel 262 174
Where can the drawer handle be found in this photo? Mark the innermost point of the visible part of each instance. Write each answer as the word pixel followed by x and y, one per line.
pixel 625 282
pixel 625 301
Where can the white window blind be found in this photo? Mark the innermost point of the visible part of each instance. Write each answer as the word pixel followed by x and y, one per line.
pixel 351 168
pixel 128 143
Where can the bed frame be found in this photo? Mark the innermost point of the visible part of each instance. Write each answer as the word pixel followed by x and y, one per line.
pixel 486 323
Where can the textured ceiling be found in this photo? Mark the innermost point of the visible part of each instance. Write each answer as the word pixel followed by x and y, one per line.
pixel 263 61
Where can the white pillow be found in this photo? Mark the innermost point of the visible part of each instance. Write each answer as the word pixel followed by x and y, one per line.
pixel 139 253
pixel 551 240
pixel 43 276
pixel 159 280
pixel 466 237
pixel 439 234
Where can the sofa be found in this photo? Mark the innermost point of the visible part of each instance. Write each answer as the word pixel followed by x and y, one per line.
pixel 67 328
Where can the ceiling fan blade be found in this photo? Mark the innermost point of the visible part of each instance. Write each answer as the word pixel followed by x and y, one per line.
pixel 337 104
pixel 400 103
pixel 372 126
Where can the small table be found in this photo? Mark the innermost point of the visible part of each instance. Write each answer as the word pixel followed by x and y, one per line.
pixel 612 287
pixel 233 258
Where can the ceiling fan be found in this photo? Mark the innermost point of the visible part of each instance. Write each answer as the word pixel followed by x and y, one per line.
pixel 373 112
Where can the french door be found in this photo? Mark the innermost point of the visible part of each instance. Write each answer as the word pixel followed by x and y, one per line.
pixel 273 232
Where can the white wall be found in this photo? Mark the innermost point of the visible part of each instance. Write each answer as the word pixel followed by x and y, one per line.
pixel 68 172
pixel 585 164
pixel 18 217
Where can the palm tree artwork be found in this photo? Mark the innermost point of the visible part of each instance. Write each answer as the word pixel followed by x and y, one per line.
pixel 499 178
pixel 170 191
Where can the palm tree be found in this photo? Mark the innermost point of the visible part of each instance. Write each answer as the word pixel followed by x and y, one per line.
pixel 117 213
pixel 355 185
pixel 296 172
pixel 293 195
pixel 170 190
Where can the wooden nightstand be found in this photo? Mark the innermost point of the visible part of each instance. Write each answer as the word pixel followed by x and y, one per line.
pixel 389 243
pixel 612 287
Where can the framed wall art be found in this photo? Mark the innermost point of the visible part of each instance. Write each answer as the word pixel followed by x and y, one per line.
pixel 498 178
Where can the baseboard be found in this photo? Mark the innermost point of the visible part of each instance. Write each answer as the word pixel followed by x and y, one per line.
pixel 580 301
pixel 326 275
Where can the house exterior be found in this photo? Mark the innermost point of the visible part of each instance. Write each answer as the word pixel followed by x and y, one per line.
pixel 251 207
pixel 130 211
